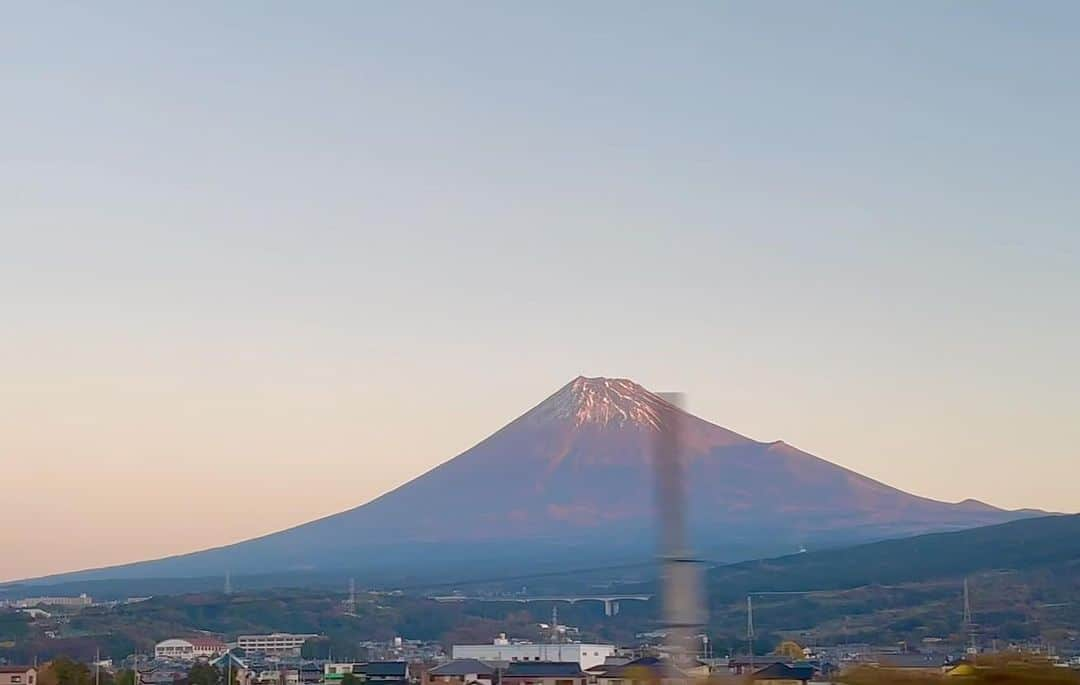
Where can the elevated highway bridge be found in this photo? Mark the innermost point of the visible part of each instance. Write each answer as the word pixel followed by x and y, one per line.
pixel 610 602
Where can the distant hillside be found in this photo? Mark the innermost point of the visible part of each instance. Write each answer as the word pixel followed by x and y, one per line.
pixel 1024 578
pixel 1017 545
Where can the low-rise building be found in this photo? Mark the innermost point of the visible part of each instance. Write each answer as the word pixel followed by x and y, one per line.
pixel 544 673
pixel 18 675
pixel 280 644
pixel 782 674
pixel 650 669
pixel 189 649
pixel 161 675
pixel 333 672
pixel 384 672
pixel 585 655
pixel 461 672
pixel 278 677
pixel 82 600
pixel 368 671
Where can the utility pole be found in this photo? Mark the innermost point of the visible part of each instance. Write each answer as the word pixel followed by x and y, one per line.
pixel 352 595
pixel 228 583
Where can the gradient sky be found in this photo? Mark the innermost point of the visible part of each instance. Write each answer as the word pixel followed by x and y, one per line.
pixel 262 261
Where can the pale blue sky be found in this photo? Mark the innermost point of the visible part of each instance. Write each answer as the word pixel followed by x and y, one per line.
pixel 325 246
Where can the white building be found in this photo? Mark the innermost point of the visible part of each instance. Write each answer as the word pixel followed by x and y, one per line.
pixel 337 671
pixel 282 677
pixel 82 600
pixel 275 643
pixel 585 655
pixel 189 649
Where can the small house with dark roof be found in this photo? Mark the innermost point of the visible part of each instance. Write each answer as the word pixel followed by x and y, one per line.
pixel 780 673
pixel 462 672
pixel 648 669
pixel 18 675
pixel 544 673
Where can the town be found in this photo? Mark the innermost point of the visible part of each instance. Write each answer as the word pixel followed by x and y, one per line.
pixel 559 654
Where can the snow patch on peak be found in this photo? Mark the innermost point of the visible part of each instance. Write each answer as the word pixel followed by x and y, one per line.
pixel 605 401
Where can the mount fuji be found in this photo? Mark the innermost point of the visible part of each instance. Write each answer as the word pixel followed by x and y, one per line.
pixel 573 476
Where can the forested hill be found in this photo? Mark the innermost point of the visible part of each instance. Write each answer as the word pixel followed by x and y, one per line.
pixel 1018 545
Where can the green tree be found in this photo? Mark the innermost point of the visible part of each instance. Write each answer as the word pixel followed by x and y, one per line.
pixel 66 671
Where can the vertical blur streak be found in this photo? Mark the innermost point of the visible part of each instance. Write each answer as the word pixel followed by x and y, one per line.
pixel 668 466
pixel 684 614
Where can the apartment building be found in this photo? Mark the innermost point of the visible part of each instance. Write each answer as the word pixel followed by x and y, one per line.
pixel 278 644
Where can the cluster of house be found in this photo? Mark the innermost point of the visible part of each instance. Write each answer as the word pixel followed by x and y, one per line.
pixel 275 659
pixel 615 670
pixel 524 663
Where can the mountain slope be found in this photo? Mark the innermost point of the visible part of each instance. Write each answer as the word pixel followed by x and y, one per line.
pixel 575 471
pixel 1024 579
pixel 1015 546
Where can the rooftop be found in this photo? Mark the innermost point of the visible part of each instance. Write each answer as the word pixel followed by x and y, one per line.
pixel 393 669
pixel 543 669
pixel 780 671
pixel 463 667
pixel 647 668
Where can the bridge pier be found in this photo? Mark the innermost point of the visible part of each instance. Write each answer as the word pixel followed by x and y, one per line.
pixel 611 607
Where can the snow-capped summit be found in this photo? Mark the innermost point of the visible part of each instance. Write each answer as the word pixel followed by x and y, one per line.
pixel 603 401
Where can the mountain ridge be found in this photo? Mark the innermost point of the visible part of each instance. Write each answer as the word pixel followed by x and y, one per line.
pixel 576 470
